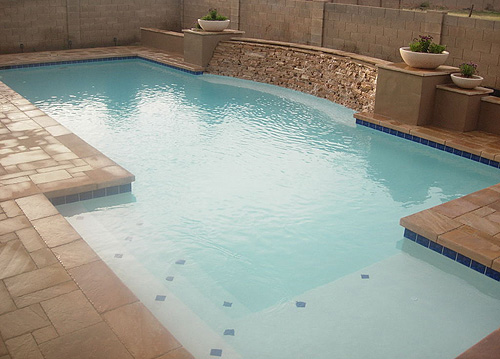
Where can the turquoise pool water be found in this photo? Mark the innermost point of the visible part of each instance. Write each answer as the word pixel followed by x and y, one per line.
pixel 267 212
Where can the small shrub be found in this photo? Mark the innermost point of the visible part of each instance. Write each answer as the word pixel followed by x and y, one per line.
pixel 425 44
pixel 213 15
pixel 468 69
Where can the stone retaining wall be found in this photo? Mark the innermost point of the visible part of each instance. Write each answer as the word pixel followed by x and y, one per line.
pixel 340 79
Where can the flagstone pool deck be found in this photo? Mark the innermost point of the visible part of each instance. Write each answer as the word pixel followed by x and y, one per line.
pixel 59 300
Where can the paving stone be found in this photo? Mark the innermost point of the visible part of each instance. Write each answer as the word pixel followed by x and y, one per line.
pixel 429 224
pixel 50 176
pixel 4 238
pixel 45 121
pixel 70 312
pixel 23 157
pixel 17 190
pixel 37 165
pixel 27 125
pixel 456 207
pixel 36 280
pixel 13 224
pixel 75 254
pixel 103 288
pixel 55 230
pixel 465 241
pixel 95 342
pixel 43 257
pixel 44 294
pixel 36 206
pixel 11 209
pixel 6 303
pixel 14 259
pixel 45 334
pixel 24 347
pixel 480 223
pixel 22 321
pixel 140 331
pixel 30 239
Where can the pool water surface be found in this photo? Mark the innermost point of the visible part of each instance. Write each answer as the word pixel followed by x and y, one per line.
pixel 264 222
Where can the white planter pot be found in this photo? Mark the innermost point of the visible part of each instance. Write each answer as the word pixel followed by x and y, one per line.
pixel 211 25
pixel 423 60
pixel 466 82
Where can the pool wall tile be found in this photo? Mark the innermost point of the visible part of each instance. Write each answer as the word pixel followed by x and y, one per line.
pixel 451 254
pixel 83 196
pixel 425 142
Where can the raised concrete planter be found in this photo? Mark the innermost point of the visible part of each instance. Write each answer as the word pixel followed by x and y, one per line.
pixel 407 94
pixel 456 108
pixel 164 40
pixel 199 46
pixel 489 115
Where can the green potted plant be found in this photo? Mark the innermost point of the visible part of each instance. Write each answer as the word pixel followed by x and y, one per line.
pixel 467 77
pixel 423 53
pixel 213 21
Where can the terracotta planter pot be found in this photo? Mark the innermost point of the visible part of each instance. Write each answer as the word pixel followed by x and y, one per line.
pixel 466 82
pixel 211 25
pixel 423 60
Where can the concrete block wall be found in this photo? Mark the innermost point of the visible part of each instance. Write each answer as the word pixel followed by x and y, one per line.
pixel 50 24
pixel 376 31
pixel 103 20
pixel 479 5
pixel 475 40
pixel 37 25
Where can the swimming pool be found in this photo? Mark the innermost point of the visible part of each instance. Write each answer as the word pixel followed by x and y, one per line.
pixel 263 222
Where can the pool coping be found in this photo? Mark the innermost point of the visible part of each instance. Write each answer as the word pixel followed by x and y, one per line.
pixel 58 299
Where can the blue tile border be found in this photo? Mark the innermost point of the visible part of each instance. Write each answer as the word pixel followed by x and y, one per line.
pixel 457 257
pixel 429 143
pixel 83 196
pixel 105 59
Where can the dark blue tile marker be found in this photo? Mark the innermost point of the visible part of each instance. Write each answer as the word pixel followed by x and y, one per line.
pixel 216 352
pixel 227 304
pixel 300 304
pixel 365 276
pixel 229 332
pixel 160 298
pixel 170 278
pixel 181 261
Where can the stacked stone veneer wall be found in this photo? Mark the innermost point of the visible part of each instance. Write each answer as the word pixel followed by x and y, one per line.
pixel 49 24
pixel 339 79
pixel 369 30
